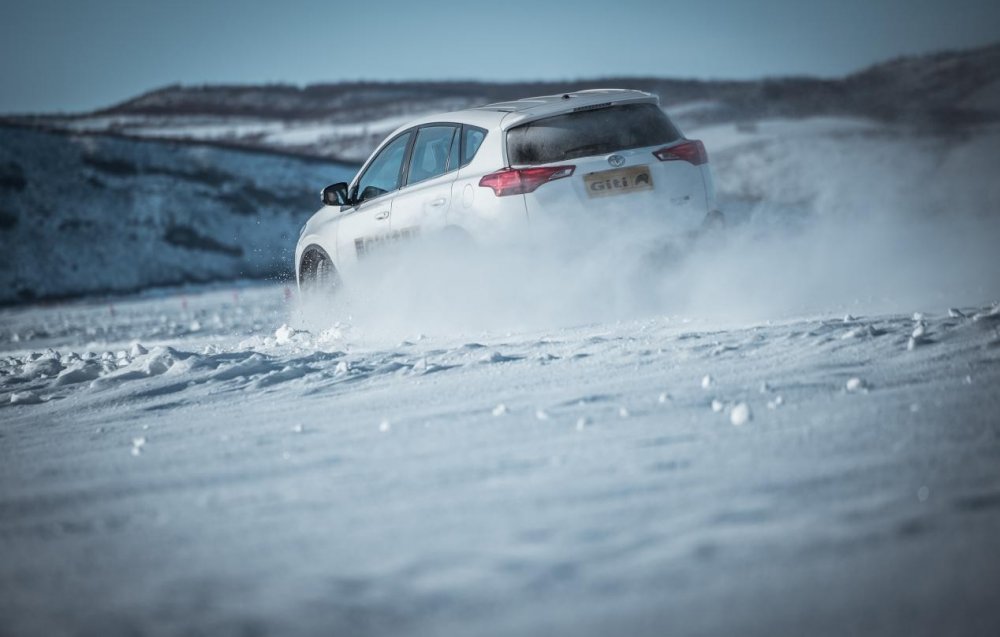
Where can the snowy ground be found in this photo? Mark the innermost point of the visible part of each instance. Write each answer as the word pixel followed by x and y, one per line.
pixel 581 446
pixel 816 474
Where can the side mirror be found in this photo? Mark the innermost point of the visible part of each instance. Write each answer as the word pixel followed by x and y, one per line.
pixel 335 195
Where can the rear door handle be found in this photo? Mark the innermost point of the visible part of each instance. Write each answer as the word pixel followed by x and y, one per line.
pixel 379 216
pixel 437 203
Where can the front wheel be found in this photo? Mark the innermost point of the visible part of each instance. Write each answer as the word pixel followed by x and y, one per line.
pixel 317 274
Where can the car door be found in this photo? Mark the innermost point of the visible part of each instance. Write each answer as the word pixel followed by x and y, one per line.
pixel 366 225
pixel 422 204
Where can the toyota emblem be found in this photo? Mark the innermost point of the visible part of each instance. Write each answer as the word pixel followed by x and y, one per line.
pixel 616 160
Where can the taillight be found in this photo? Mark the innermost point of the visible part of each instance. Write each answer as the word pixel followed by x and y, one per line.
pixel 519 181
pixel 690 150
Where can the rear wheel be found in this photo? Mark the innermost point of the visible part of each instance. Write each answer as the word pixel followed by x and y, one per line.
pixel 456 240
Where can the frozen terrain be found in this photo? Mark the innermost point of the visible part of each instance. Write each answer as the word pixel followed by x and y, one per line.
pixel 184 463
pixel 93 214
pixel 792 428
pixel 943 91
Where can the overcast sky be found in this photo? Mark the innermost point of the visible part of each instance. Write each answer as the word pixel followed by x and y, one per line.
pixel 69 55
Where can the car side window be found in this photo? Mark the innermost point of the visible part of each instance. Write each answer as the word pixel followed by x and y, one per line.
pixel 384 172
pixel 431 153
pixel 472 139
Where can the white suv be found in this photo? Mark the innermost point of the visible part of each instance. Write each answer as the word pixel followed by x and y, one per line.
pixel 489 172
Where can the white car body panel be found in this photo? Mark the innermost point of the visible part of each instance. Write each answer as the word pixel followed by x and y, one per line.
pixel 677 203
pixel 423 207
pixel 359 227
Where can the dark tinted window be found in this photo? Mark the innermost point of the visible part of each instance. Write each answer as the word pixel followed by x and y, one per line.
pixel 382 175
pixel 430 153
pixel 588 133
pixel 472 139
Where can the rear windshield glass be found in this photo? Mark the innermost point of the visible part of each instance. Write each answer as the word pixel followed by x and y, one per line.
pixel 587 133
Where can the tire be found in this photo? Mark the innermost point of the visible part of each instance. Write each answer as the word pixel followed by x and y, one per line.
pixel 457 243
pixel 317 274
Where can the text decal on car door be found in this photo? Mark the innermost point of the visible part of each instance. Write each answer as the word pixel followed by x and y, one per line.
pixel 365 245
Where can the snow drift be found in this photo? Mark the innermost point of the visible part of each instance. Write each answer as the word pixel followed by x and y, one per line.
pixel 187 463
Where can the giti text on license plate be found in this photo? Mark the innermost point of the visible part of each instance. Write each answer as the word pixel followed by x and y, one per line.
pixel 616 182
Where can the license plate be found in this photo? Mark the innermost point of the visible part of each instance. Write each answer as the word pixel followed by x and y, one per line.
pixel 619 181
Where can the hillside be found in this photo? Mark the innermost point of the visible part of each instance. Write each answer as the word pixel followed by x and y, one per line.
pixel 85 214
pixel 943 91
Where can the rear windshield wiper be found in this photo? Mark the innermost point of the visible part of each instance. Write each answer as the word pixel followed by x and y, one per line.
pixel 583 151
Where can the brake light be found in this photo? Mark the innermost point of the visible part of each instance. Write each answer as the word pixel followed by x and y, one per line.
pixel 520 181
pixel 690 150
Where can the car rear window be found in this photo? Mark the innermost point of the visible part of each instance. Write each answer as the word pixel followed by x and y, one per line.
pixel 590 132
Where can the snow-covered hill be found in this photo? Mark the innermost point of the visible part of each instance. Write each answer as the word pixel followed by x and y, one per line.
pixel 82 214
pixel 944 91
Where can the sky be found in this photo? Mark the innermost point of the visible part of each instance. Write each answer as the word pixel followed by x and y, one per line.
pixel 76 55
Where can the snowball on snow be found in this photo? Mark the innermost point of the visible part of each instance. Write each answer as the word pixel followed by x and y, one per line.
pixel 707 382
pixel 740 414
pixel 717 405
pixel 158 364
pixel 137 445
pixel 855 384
pixel 500 410
pixel 283 335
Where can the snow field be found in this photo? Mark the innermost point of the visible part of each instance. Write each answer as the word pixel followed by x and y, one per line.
pixel 567 479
